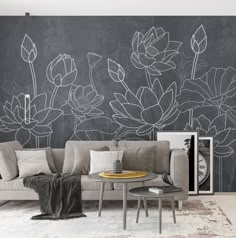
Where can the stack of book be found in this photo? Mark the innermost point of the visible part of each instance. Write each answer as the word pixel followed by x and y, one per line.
pixel 164 189
pixel 170 188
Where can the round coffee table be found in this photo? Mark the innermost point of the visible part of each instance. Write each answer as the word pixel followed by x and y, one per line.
pixel 123 181
pixel 143 192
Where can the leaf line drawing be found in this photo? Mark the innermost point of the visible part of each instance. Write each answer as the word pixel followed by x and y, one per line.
pixel 216 87
pixel 96 128
pixel 183 67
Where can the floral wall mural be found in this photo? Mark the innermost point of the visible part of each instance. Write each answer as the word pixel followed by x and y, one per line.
pixel 102 78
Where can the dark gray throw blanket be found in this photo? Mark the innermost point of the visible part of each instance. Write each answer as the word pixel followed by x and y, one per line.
pixel 59 196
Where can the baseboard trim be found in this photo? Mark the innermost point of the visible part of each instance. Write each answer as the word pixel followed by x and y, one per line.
pixel 225 193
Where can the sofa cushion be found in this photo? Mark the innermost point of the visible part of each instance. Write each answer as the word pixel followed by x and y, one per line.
pixel 86 184
pixel 89 184
pixel 139 158
pixel 101 161
pixel 8 163
pixel 72 149
pixel 15 184
pixel 32 162
pixel 162 152
pixel 58 158
pixel 81 163
pixel 50 159
pixel 155 182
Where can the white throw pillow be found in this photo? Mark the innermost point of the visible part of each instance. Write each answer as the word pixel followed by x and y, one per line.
pixel 32 162
pixel 101 161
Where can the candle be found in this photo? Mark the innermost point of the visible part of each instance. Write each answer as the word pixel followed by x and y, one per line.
pixel 27 108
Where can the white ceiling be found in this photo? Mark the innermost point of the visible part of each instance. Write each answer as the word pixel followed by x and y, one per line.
pixel 118 7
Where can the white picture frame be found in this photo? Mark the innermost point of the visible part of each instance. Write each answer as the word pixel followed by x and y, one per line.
pixel 206 152
pixel 178 141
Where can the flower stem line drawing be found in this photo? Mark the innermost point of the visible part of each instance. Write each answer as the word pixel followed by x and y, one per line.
pixel 29 54
pixel 61 72
pixel 83 101
pixel 148 78
pixel 198 46
pixel 33 79
pixel 93 59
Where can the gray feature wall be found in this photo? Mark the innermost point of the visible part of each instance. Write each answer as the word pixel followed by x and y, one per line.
pixel 102 78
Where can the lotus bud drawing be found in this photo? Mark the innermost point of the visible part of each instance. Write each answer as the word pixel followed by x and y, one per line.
pixel 116 71
pixel 199 40
pixel 62 71
pixel 28 50
pixel 93 59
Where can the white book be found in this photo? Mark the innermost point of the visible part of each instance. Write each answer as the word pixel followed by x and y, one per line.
pixel 156 190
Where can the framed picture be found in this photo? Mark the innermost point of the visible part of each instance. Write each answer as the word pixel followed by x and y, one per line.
pixel 205 165
pixel 188 141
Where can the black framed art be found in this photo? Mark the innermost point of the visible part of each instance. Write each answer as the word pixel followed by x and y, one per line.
pixel 205 165
pixel 188 141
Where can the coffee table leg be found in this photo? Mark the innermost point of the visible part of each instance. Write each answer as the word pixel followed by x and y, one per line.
pixel 124 204
pixel 173 208
pixel 138 208
pixel 101 198
pixel 145 206
pixel 160 214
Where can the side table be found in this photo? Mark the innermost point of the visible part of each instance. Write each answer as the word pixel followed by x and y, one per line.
pixel 143 192
pixel 123 181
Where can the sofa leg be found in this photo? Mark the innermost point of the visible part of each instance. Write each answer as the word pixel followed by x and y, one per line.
pixel 180 205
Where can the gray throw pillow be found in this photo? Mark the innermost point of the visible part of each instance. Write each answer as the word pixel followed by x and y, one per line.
pixel 139 158
pixel 8 162
pixel 72 147
pixel 82 159
pixel 50 159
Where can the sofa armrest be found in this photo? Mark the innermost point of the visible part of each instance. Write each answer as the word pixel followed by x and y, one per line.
pixel 179 171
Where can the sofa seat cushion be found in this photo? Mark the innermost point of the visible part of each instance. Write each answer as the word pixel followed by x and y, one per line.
pixel 155 182
pixel 13 185
pixel 89 184
pixel 86 184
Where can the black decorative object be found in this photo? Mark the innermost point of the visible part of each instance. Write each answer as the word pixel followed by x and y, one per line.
pixel 117 166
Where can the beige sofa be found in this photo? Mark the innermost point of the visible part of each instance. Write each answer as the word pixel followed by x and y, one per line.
pixel 175 162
